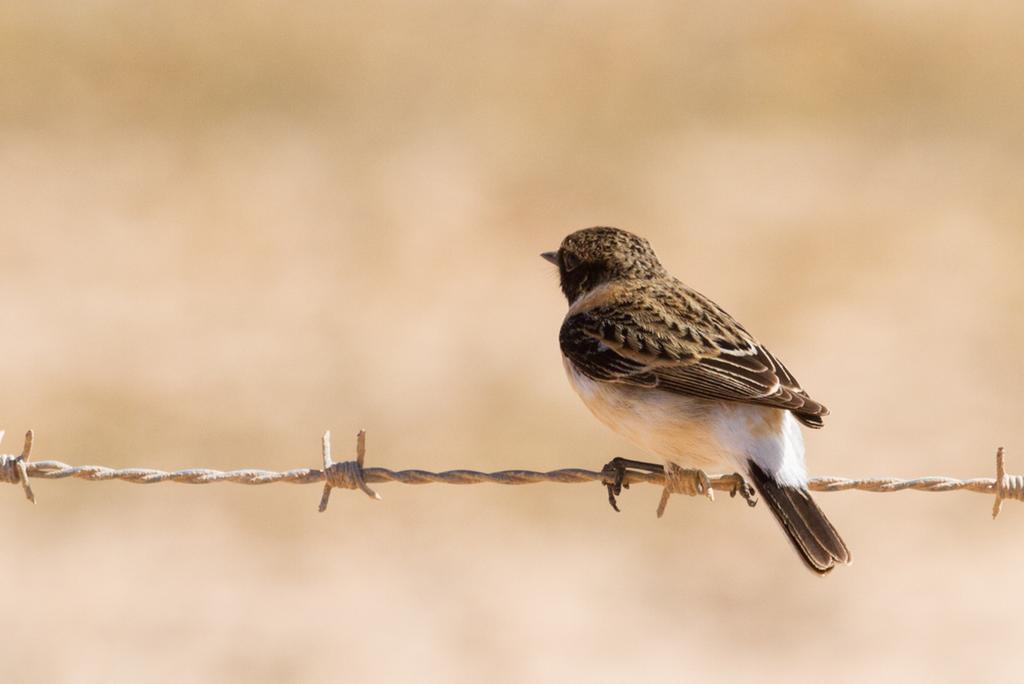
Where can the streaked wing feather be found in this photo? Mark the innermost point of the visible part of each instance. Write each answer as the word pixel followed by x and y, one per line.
pixel 688 345
pixel 599 362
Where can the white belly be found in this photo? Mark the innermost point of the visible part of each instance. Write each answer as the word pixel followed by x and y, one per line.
pixel 697 433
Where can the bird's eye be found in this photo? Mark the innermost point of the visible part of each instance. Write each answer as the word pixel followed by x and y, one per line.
pixel 570 261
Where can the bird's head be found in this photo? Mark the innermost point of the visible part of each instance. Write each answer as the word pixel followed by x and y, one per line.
pixel 594 256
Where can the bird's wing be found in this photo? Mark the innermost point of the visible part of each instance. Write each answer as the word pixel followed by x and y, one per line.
pixel 672 338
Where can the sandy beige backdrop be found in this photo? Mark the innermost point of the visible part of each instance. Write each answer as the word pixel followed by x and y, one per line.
pixel 226 229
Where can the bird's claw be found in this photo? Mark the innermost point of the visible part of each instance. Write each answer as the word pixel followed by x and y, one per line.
pixel 744 489
pixel 613 476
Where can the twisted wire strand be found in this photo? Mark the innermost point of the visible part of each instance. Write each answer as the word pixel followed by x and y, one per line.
pixel 353 475
pixel 56 470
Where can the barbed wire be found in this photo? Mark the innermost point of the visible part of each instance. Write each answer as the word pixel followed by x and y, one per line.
pixel 17 469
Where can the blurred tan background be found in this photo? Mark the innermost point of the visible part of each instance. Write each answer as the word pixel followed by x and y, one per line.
pixel 226 229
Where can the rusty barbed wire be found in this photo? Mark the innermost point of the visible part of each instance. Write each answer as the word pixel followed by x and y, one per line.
pixel 16 469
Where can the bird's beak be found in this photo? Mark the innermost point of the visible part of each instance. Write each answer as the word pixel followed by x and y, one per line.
pixel 550 256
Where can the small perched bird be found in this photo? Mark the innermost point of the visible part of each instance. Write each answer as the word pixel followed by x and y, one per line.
pixel 668 369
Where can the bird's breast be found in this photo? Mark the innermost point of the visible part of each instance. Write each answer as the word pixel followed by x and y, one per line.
pixel 694 432
pixel 678 428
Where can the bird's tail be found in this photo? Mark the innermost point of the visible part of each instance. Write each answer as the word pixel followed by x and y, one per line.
pixel 812 535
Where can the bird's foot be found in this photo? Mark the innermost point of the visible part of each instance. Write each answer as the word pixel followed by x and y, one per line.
pixel 744 489
pixel 614 476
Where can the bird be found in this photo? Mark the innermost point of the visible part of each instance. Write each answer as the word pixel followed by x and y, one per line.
pixel 672 372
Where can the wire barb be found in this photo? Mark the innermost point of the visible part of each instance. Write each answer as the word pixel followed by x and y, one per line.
pixel 684 481
pixel 1006 486
pixel 14 469
pixel 346 474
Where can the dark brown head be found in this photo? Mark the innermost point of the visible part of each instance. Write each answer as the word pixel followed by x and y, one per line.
pixel 594 256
